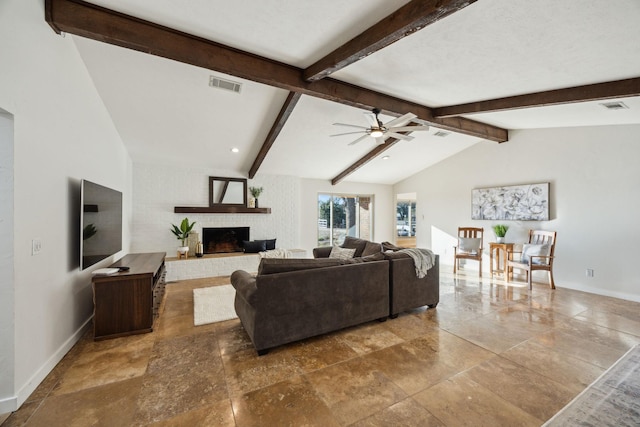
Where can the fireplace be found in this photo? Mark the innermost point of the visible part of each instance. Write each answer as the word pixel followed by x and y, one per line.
pixel 224 239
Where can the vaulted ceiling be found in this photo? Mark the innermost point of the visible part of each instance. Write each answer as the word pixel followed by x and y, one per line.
pixel 472 70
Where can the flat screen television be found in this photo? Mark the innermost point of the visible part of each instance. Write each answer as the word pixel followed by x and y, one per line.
pixel 100 223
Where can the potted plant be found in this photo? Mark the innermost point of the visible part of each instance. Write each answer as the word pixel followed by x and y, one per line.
pixel 255 193
pixel 500 230
pixel 182 233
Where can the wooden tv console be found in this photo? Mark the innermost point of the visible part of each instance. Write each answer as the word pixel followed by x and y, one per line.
pixel 128 302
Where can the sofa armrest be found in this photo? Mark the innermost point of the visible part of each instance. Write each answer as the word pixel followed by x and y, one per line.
pixel 245 285
pixel 322 252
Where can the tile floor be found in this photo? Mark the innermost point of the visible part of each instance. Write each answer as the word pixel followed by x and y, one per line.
pixel 487 355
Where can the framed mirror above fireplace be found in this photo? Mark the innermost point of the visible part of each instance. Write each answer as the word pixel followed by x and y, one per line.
pixel 225 191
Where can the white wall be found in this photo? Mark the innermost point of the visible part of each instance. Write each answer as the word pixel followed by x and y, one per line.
pixel 62 133
pixel 383 208
pixel 595 199
pixel 293 201
pixel 158 189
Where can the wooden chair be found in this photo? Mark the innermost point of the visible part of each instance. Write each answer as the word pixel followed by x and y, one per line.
pixel 537 259
pixel 468 249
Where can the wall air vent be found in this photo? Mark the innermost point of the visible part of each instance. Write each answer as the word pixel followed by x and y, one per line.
pixel 617 105
pixel 441 134
pixel 224 84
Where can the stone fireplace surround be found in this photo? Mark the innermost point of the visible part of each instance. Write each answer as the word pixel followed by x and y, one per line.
pixel 216 240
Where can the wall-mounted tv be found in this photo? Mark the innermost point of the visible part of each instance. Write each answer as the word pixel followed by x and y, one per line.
pixel 100 223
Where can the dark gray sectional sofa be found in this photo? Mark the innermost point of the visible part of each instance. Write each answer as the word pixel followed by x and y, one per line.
pixel 293 299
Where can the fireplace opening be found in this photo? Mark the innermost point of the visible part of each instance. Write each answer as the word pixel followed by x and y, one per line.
pixel 224 239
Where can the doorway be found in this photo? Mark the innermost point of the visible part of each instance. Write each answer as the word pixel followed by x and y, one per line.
pixel 7 289
pixel 406 220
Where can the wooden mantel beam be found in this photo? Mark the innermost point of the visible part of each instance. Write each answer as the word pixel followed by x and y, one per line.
pixel 593 92
pixel 98 23
pixel 405 21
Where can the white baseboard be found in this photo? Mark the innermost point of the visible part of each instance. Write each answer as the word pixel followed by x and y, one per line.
pixel 25 391
pixel 9 404
pixel 600 291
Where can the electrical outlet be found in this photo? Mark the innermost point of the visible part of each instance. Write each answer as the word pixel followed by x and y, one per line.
pixel 589 272
pixel 36 246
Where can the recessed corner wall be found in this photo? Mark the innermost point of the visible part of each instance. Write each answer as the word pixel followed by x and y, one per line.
pixel 594 200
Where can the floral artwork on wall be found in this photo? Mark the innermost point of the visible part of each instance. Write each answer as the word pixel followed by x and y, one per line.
pixel 529 202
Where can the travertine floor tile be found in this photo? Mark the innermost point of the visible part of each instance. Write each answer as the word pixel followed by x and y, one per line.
pixel 569 371
pixel 580 348
pixel 368 337
pixel 111 404
pixel 413 366
pixel 104 362
pixel 534 393
pixel 491 334
pixel 320 352
pixel 218 414
pixel 246 371
pixel 355 389
pixel 406 413
pixel 610 320
pixel 289 403
pixel 461 401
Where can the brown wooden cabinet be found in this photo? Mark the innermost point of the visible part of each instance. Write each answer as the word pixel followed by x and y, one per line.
pixel 128 302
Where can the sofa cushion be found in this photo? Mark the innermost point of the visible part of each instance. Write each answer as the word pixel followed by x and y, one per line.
pixel 470 245
pixel 531 250
pixel 354 243
pixel 282 265
pixel 371 248
pixel 341 253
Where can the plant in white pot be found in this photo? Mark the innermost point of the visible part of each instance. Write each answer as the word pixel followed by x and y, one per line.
pixel 182 233
pixel 500 230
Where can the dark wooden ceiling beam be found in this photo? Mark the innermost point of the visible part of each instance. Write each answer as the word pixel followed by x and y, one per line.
pixel 405 21
pixel 283 116
pixel 593 92
pixel 390 142
pixel 97 23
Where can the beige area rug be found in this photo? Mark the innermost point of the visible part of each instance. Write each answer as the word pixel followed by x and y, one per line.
pixel 213 304
pixel 612 400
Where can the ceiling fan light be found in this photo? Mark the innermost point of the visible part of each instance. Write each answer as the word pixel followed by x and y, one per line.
pixel 376 133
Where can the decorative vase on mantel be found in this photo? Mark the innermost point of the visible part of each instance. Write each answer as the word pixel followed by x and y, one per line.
pixel 252 202
pixel 255 204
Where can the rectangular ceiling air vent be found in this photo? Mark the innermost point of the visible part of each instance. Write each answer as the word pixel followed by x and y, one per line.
pixel 617 105
pixel 224 84
pixel 441 134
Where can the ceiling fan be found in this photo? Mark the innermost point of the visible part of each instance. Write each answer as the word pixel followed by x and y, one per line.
pixel 379 131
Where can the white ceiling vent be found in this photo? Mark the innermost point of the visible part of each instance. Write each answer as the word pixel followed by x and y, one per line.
pixel 617 105
pixel 441 133
pixel 224 84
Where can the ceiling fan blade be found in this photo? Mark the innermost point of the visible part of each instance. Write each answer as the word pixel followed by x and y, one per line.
pixel 398 136
pixel 351 126
pixel 409 128
pixel 371 118
pixel 401 121
pixel 381 140
pixel 347 133
pixel 363 137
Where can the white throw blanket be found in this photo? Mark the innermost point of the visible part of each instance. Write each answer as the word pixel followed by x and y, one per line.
pixel 276 253
pixel 423 260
